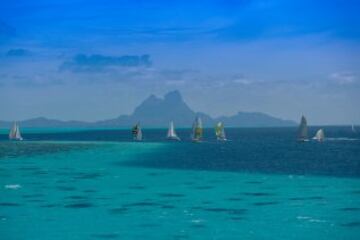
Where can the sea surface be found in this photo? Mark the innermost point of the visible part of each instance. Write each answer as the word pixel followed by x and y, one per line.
pixel 98 184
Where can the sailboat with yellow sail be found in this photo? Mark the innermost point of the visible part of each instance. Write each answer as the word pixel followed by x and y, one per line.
pixel 197 130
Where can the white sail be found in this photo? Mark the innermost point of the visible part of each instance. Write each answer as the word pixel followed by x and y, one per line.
pixel 320 135
pixel 303 130
pixel 15 132
pixel 197 129
pixel 171 134
pixel 12 131
pixel 137 133
pixel 220 131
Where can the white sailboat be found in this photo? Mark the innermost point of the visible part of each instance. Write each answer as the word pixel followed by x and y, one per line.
pixel 15 132
pixel 302 135
pixel 220 132
pixel 320 135
pixel 171 134
pixel 137 133
pixel 197 130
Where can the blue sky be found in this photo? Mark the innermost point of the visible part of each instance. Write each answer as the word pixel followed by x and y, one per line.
pixel 91 60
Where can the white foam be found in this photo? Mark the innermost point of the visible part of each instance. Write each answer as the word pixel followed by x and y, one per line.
pixel 316 220
pixel 342 139
pixel 13 186
pixel 310 219
pixel 197 221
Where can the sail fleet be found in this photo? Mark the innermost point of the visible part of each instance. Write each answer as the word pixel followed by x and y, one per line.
pixel 197 132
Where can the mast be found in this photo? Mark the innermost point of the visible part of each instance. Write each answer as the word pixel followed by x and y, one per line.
pixel 171 134
pixel 303 130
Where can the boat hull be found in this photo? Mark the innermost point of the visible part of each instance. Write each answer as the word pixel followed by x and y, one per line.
pixel 16 139
pixel 303 140
pixel 222 139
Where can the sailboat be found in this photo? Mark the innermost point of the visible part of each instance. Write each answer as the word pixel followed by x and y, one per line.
pixel 15 132
pixel 136 132
pixel 197 130
pixel 303 130
pixel 319 136
pixel 171 134
pixel 220 132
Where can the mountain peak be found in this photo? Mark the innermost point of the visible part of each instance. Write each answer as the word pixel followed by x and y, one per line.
pixel 157 111
pixel 152 99
pixel 173 96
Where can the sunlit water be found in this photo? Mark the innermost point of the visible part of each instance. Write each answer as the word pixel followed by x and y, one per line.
pixel 97 184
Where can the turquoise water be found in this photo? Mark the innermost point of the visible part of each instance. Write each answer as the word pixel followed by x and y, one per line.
pixel 96 184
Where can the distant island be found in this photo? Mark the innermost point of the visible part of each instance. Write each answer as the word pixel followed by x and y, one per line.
pixel 158 112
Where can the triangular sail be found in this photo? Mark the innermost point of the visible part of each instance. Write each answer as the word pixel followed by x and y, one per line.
pixel 220 131
pixel 15 132
pixel 18 134
pixel 197 130
pixel 171 134
pixel 12 132
pixel 303 130
pixel 320 135
pixel 137 133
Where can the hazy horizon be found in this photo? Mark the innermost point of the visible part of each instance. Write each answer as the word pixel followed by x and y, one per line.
pixel 85 60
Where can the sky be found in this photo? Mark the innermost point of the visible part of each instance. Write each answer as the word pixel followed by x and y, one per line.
pixel 92 60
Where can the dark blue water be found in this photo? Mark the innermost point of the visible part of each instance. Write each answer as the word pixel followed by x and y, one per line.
pixel 97 184
pixel 265 150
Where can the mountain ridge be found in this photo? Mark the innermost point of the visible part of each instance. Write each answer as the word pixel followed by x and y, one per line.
pixel 158 112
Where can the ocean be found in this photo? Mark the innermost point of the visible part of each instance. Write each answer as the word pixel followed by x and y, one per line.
pixel 98 184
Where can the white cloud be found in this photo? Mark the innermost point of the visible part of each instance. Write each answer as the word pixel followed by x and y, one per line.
pixel 343 77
